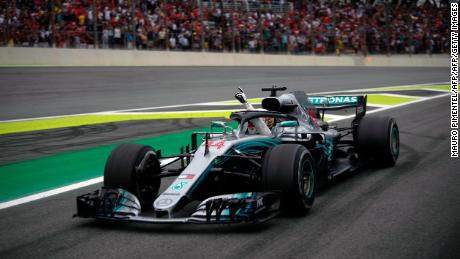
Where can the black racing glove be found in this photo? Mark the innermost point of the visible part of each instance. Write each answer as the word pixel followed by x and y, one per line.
pixel 240 96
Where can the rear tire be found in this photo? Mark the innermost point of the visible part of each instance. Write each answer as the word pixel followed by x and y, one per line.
pixel 120 172
pixel 378 138
pixel 291 170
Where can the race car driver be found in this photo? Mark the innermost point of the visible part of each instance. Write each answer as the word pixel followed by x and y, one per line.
pixel 260 125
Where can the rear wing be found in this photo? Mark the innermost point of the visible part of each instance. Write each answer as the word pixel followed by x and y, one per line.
pixel 337 102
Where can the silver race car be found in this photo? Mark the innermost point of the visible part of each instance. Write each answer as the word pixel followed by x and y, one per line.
pixel 271 162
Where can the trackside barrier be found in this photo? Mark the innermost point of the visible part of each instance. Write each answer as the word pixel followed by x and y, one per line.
pixel 10 56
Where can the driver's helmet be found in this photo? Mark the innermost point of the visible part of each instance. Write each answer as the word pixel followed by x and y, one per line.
pixel 269 121
pixel 251 129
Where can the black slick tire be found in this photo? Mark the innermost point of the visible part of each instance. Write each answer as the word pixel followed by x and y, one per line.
pixel 378 139
pixel 121 172
pixel 290 170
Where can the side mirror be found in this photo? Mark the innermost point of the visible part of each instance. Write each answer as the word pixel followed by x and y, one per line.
pixel 218 124
pixel 289 124
pixel 222 124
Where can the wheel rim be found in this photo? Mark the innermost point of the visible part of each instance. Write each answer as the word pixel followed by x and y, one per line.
pixel 394 141
pixel 308 179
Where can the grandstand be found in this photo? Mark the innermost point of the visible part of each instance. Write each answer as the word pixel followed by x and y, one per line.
pixel 269 26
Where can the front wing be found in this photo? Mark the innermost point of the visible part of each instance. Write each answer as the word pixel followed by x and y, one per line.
pixel 120 205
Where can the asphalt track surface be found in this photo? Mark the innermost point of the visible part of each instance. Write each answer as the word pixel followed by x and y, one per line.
pixel 409 211
pixel 34 92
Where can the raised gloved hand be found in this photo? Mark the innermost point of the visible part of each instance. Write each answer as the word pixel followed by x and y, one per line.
pixel 240 96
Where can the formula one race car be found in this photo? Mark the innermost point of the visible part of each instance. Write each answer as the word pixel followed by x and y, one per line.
pixel 271 163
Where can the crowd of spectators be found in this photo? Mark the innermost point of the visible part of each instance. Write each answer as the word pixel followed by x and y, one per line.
pixel 271 26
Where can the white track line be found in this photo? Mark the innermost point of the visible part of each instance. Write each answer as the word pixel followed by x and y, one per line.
pixel 394 106
pixel 383 88
pixel 97 180
pixel 220 104
pixel 42 195
pixel 105 112
pixel 53 117
pixel 403 95
pixel 60 190
pixel 194 104
pixel 377 105
pixel 155 108
pixel 435 90
pixel 412 102
pixel 171 112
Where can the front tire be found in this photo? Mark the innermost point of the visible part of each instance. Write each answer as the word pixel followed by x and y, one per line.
pixel 121 172
pixel 290 169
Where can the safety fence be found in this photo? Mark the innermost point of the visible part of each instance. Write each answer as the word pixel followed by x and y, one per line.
pixel 271 26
